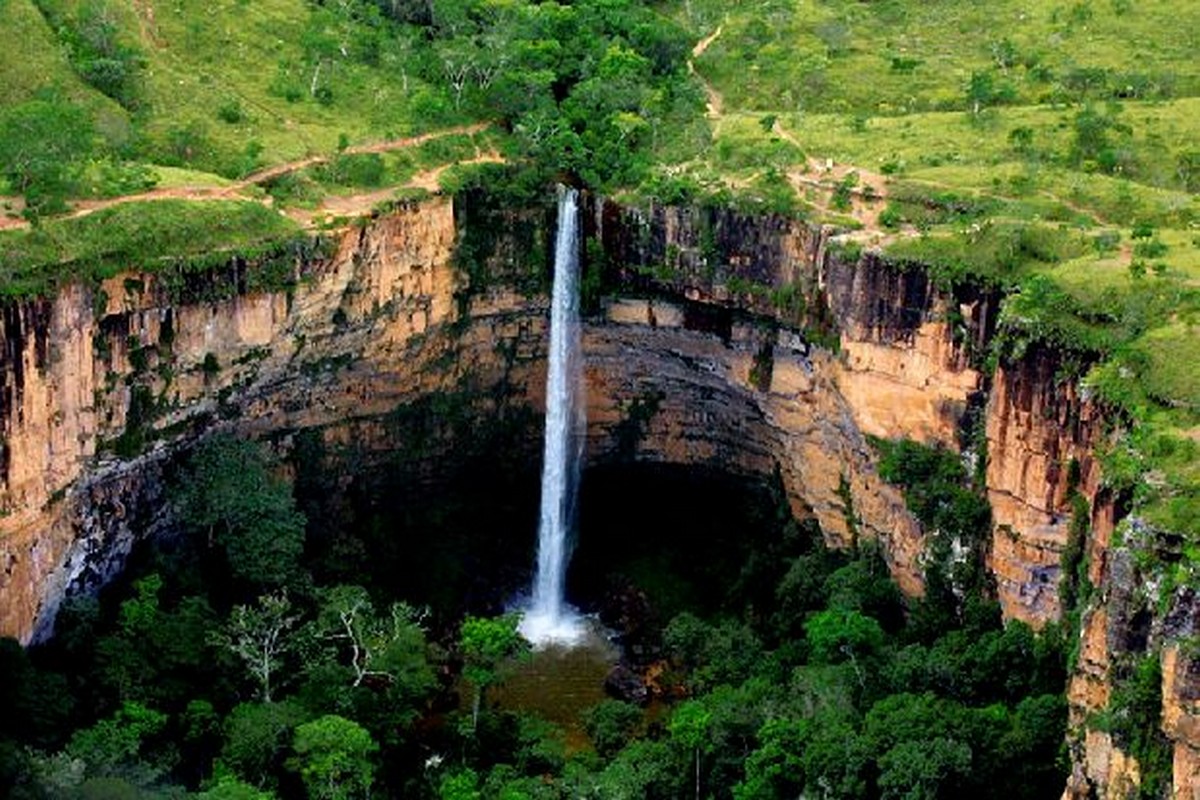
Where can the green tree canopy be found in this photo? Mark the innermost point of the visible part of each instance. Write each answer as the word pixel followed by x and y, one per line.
pixel 229 493
pixel 43 143
pixel 335 758
pixel 487 644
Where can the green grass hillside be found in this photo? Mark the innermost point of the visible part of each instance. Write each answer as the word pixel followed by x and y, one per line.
pixel 1052 149
pixel 896 57
pixel 202 81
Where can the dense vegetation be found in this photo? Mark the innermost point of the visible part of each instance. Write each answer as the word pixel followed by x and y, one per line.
pixel 231 664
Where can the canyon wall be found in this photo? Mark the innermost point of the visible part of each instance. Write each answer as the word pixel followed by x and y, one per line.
pixel 755 344
pixel 103 385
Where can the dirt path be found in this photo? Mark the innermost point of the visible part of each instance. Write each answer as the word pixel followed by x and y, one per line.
pixel 714 102
pixel 149 27
pixel 356 205
pixel 237 190
pixel 703 44
pixel 262 176
pixel 867 196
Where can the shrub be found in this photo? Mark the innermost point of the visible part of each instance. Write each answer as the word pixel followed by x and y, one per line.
pixel 231 111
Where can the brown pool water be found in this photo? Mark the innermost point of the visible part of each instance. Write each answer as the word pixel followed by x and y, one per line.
pixel 559 683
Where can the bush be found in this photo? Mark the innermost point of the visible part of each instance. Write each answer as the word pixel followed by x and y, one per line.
pixel 364 169
pixel 231 111
pixel 99 56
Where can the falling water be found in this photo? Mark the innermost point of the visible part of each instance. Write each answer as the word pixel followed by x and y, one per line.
pixel 549 619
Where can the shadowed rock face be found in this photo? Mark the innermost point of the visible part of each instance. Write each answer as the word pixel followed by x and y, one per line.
pixel 703 353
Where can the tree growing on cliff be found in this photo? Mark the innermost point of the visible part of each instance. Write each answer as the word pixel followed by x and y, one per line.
pixel 229 494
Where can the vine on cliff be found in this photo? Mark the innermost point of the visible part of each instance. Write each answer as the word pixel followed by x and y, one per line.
pixel 957 520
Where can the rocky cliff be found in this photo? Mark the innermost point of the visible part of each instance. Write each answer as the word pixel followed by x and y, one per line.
pixel 756 344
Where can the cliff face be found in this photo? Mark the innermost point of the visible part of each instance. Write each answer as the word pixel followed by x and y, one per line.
pixel 1039 432
pixel 757 401
pixel 906 369
pixel 1116 738
pixel 130 369
pixel 901 367
pixel 753 344
pixel 103 385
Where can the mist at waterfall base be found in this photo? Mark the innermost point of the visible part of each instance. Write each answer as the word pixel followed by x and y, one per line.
pixel 548 619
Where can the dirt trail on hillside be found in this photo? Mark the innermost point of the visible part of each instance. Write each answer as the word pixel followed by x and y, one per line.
pixel 147 24
pixel 715 102
pixel 262 176
pixel 237 190
pixel 357 205
pixel 867 196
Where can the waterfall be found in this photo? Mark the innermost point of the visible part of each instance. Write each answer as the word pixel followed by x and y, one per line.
pixel 549 619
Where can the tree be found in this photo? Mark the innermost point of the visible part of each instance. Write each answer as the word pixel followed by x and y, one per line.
pixel 42 144
pixel 229 494
pixel 776 768
pixel 458 60
pixel 389 646
pixel 842 635
pixel 925 769
pixel 230 788
pixel 983 90
pixel 690 725
pixel 611 724
pixel 157 655
pixel 256 738
pixel 865 585
pixel 115 746
pixel 487 645
pixel 1092 140
pixel 979 90
pixel 645 770
pixel 802 590
pixel 726 652
pixel 836 758
pixel 334 756
pixel 260 636
pixel 462 784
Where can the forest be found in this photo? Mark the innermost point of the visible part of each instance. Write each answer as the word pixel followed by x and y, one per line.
pixel 232 662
